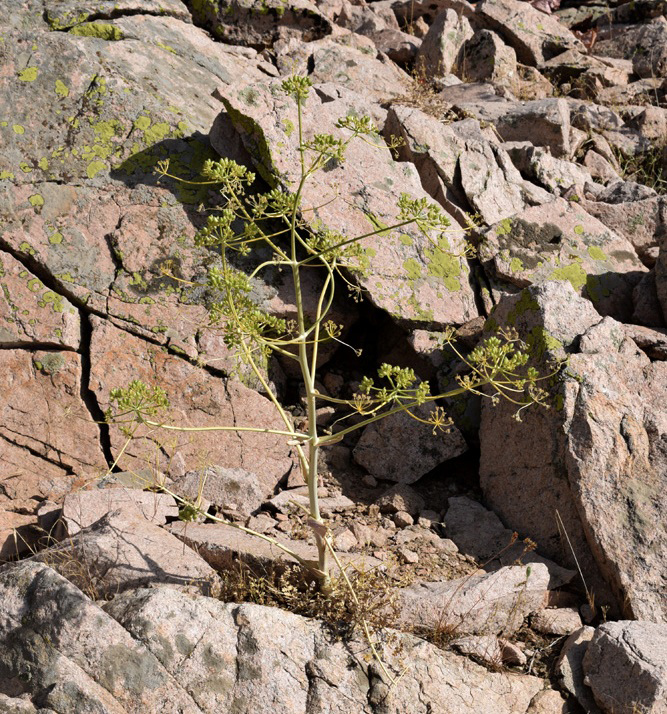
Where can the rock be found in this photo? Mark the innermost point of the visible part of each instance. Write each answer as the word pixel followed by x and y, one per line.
pixel 259 25
pixel 409 12
pixel 486 58
pixel 484 648
pixel 479 533
pixel 284 501
pixel 652 342
pixel 408 556
pixel 403 519
pixel 641 222
pixel 345 540
pixel 32 315
pixel 473 170
pixel 402 449
pixel 512 654
pixel 600 168
pixel 400 498
pixel 223 546
pixel 440 49
pixel 118 358
pixel 227 489
pixel 558 176
pixel 79 658
pixel 296 666
pixel 560 241
pixel 643 44
pixel 626 666
pixel 399 46
pixel 476 604
pixel 647 310
pixel 557 621
pixel 83 508
pixel 122 550
pixel 17 534
pixel 625 192
pixel 603 469
pixel 366 19
pixel 569 668
pixel 437 287
pixel 549 701
pixel 534 36
pixel 543 122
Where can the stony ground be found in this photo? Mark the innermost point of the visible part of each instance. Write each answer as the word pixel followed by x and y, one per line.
pixel 510 568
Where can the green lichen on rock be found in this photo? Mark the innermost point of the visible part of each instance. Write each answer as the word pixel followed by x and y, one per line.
pixel 443 264
pixel 572 272
pixel 596 252
pixel 412 268
pixel 49 362
pixel 36 200
pixel 29 74
pixel 100 30
pixel 94 167
pixel 525 302
pixel 62 90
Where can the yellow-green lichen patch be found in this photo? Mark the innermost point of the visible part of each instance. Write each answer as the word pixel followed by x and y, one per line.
pixel 18 129
pixel 34 285
pixel 412 268
pixel 526 302
pixel 288 126
pixel 36 200
pixel 168 48
pixel 596 252
pixel 573 272
pixel 142 123
pixel 157 132
pixel 29 74
pixel 53 299
pixel 43 163
pixel 56 238
pixel 579 230
pixel 443 264
pixel 49 362
pixel 504 227
pixel 540 341
pixel 94 167
pixel 405 239
pixel 516 265
pixel 62 90
pixel 101 30
pixel 6 175
pixel 25 247
pixel 25 167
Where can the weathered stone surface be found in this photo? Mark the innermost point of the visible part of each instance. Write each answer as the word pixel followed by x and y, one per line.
pixel 479 532
pixel 123 550
pixel 83 508
pixel 50 383
pixel 570 671
pixel 283 501
pixel 556 621
pixel 440 49
pixel 543 122
pixel 486 58
pixel 474 170
pixel 17 534
pixel 30 313
pixel 406 274
pixel 534 36
pixel 399 46
pixel 197 400
pixel 400 448
pixel 661 274
pixel 227 488
pixel 596 458
pixel 492 603
pixel 645 45
pixel 401 498
pixel 626 667
pixel 641 222
pixel 78 659
pixel 651 341
pixel 296 669
pixel 69 14
pixel 484 648
pixel 550 701
pixel 259 24
pixel 560 241
pixel 558 176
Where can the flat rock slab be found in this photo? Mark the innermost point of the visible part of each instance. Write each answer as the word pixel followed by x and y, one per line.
pixel 198 399
pixel 83 508
pixel 403 272
pixel 477 604
pixel 560 241
pixel 626 667
pixel 123 550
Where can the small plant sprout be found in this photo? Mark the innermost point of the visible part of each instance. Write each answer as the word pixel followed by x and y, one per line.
pixel 274 221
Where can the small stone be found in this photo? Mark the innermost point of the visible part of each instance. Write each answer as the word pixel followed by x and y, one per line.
pixel 345 540
pixel 400 498
pixel 512 654
pixel 484 648
pixel 261 523
pixel 408 556
pixel 446 545
pixel 370 481
pixel 402 519
pixel 557 621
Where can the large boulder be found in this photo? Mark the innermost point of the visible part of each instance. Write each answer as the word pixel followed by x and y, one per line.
pixel 413 276
pixel 594 460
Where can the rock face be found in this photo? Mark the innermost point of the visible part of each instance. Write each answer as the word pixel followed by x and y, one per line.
pixel 600 441
pixel 161 650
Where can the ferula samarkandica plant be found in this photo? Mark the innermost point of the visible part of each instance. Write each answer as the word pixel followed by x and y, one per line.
pixel 274 220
